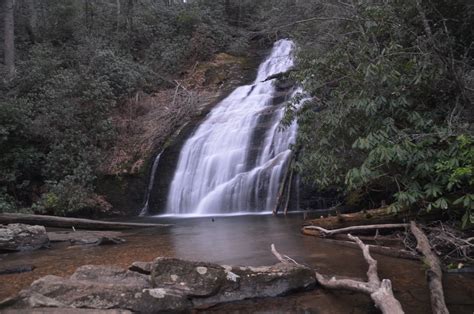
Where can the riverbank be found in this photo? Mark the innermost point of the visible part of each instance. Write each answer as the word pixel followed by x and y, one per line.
pixel 246 240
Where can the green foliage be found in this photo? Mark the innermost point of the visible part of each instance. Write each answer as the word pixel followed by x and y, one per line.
pixel 75 68
pixel 391 116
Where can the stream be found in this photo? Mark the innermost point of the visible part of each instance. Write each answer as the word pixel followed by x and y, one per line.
pixel 246 240
pixel 234 163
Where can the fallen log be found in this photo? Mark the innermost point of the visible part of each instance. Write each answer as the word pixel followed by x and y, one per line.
pixel 66 222
pixel 434 274
pixel 370 217
pixel 326 232
pixel 379 291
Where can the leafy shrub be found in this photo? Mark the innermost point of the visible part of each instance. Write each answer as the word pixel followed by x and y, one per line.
pixel 387 120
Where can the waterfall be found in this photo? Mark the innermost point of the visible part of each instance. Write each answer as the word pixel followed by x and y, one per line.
pixel 235 160
pixel 144 210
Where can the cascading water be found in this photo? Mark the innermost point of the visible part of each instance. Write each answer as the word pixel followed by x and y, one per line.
pixel 144 210
pixel 235 160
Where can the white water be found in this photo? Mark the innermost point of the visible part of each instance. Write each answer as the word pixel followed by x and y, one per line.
pixel 220 169
pixel 144 210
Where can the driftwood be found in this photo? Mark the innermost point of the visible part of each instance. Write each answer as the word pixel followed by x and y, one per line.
pixel 326 232
pixel 371 217
pixel 379 290
pixel 379 249
pixel 378 239
pixel 65 222
pixel 434 274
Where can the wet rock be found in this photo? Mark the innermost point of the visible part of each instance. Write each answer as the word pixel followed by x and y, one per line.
pixel 141 267
pixel 21 237
pixel 196 278
pixel 284 84
pixel 99 241
pixel 174 285
pixel 208 284
pixel 91 238
pixel 82 235
pixel 257 282
pixel 60 310
pixel 100 288
pixel 16 269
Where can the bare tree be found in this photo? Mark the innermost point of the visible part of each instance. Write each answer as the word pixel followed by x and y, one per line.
pixel 32 19
pixel 9 37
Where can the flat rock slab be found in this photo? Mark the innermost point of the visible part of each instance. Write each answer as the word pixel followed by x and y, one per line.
pixel 90 238
pixel 166 284
pixel 74 236
pixel 21 237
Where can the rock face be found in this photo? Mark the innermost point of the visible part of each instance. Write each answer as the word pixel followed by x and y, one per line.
pixel 173 285
pixel 20 237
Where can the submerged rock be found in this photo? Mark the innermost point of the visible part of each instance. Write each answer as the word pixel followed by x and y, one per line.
pixel 21 237
pixel 173 285
pixel 88 238
pixel 16 269
pixel 141 267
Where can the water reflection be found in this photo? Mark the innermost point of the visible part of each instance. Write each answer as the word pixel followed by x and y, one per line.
pixel 246 240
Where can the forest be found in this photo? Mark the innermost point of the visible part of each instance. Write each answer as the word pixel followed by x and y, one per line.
pixel 188 123
pixel 390 121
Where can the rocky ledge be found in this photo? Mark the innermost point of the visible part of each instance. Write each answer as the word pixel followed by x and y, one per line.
pixel 166 284
pixel 20 237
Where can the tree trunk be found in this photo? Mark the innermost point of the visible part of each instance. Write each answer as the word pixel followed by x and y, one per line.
pixel 130 7
pixel 118 9
pixel 9 37
pixel 434 274
pixel 65 222
pixel 32 20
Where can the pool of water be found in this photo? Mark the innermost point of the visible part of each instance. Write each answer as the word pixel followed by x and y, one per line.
pixel 246 240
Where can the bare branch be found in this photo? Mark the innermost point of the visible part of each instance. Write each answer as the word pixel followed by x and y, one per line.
pixel 356 228
pixel 380 291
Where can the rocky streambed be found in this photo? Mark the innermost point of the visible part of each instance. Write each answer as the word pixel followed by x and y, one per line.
pixel 243 240
pixel 166 284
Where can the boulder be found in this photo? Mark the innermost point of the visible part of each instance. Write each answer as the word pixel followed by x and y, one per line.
pixel 101 288
pixel 141 267
pixel 174 285
pixel 207 284
pixel 21 237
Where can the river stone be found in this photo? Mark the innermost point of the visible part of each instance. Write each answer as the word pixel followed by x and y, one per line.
pixel 258 282
pixel 100 288
pixel 196 278
pixel 174 285
pixel 141 267
pixel 207 283
pixel 21 237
